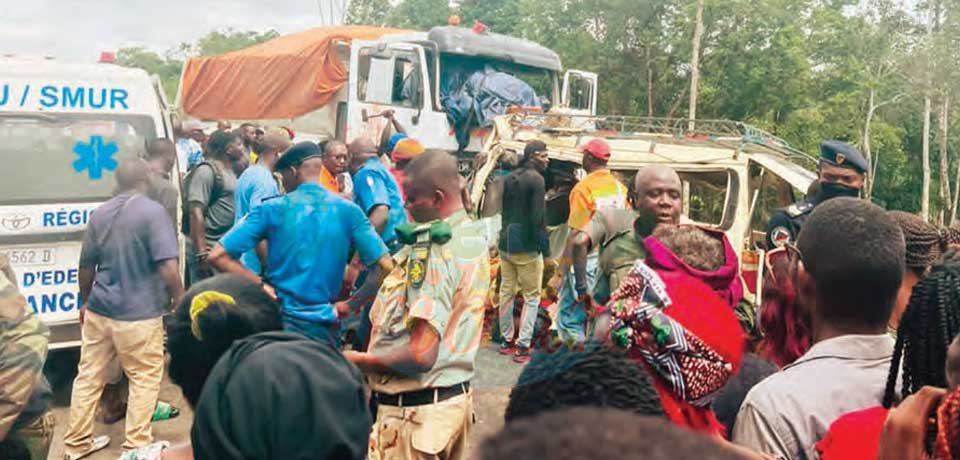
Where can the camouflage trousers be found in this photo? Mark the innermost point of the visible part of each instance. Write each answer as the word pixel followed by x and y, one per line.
pixel 37 436
pixel 430 432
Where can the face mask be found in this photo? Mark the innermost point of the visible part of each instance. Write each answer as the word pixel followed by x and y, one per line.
pixel 830 190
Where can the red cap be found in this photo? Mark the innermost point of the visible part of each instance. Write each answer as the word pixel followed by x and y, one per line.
pixel 598 148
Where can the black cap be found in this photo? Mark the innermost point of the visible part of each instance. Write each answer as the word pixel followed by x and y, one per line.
pixel 300 152
pixel 844 155
pixel 533 147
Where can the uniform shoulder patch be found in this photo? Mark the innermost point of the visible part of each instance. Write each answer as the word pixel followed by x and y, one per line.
pixel 780 236
pixel 799 208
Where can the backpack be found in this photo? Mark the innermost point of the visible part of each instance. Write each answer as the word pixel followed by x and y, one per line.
pixel 215 194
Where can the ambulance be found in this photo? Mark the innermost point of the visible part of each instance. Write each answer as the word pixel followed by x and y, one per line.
pixel 63 130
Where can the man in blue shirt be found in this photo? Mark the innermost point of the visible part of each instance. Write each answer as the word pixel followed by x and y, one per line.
pixel 310 233
pixel 376 192
pixel 257 184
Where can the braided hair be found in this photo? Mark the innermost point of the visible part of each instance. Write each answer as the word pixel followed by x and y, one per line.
pixel 947 446
pixel 596 377
pixel 929 324
pixel 197 340
pixel 926 243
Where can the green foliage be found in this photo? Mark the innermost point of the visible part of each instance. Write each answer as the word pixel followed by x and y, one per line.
pixel 419 14
pixel 368 12
pixel 169 67
pixel 802 69
pixel 168 70
pixel 221 42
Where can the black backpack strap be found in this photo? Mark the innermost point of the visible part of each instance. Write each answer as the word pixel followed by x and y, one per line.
pixel 215 193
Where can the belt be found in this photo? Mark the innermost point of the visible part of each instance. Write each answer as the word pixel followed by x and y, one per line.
pixel 422 397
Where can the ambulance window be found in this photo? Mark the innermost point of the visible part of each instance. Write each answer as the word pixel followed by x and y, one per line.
pixel 772 193
pixel 708 197
pixel 390 77
pixel 66 158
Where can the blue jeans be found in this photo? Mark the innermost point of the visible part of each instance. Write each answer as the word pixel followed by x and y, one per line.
pixel 572 316
pixel 321 332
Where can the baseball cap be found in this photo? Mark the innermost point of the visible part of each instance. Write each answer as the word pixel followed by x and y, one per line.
pixel 597 148
pixel 297 154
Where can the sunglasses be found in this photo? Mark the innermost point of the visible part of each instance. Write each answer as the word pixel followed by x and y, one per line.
pixel 788 252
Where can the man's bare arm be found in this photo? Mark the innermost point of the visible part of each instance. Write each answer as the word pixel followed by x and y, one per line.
pixel 418 358
pixel 378 217
pixel 197 226
pixel 575 251
pixel 169 271
pixel 220 259
pixel 368 291
pixel 85 279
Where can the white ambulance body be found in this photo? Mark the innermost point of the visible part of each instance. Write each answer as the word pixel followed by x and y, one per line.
pixel 63 127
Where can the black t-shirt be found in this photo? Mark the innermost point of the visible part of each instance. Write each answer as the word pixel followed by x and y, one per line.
pixel 523 227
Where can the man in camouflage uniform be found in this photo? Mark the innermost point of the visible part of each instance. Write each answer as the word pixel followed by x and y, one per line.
pixel 24 392
pixel 427 320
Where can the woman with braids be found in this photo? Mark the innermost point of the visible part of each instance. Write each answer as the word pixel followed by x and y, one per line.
pixel 784 321
pixel 926 244
pixel 927 423
pixel 929 323
pixel 230 357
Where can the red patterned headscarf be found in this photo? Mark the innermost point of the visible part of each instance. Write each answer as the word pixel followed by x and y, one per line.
pixel 685 334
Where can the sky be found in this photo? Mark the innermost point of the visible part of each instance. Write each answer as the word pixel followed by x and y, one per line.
pixel 78 30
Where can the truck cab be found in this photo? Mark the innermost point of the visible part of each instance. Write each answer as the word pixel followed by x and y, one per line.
pixel 444 86
pixel 63 129
pixel 441 78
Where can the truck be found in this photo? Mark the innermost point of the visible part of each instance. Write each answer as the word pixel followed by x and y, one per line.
pixel 468 91
pixel 63 128
pixel 444 85
pixel 734 175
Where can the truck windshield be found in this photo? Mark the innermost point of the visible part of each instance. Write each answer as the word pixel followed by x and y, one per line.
pixel 52 158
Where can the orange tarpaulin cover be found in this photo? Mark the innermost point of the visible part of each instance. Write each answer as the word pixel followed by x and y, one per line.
pixel 282 78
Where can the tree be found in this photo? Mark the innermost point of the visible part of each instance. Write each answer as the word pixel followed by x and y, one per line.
pixel 925 191
pixel 169 67
pixel 419 14
pixel 368 12
pixel 224 41
pixel 501 16
pixel 695 63
pixel 168 70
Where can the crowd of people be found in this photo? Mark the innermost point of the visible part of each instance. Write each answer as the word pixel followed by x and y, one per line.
pixel 335 294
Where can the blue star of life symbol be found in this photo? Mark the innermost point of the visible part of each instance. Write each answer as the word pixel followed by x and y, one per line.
pixel 94 157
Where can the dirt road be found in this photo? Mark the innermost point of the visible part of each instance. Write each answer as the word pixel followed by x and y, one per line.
pixel 495 375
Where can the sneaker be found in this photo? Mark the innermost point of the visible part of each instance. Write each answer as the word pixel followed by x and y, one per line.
pixel 507 348
pixel 522 356
pixel 98 443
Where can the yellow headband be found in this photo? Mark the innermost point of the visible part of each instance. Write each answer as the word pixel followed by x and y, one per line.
pixel 200 303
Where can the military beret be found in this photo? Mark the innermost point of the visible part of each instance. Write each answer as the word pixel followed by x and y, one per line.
pixel 844 155
pixel 300 152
